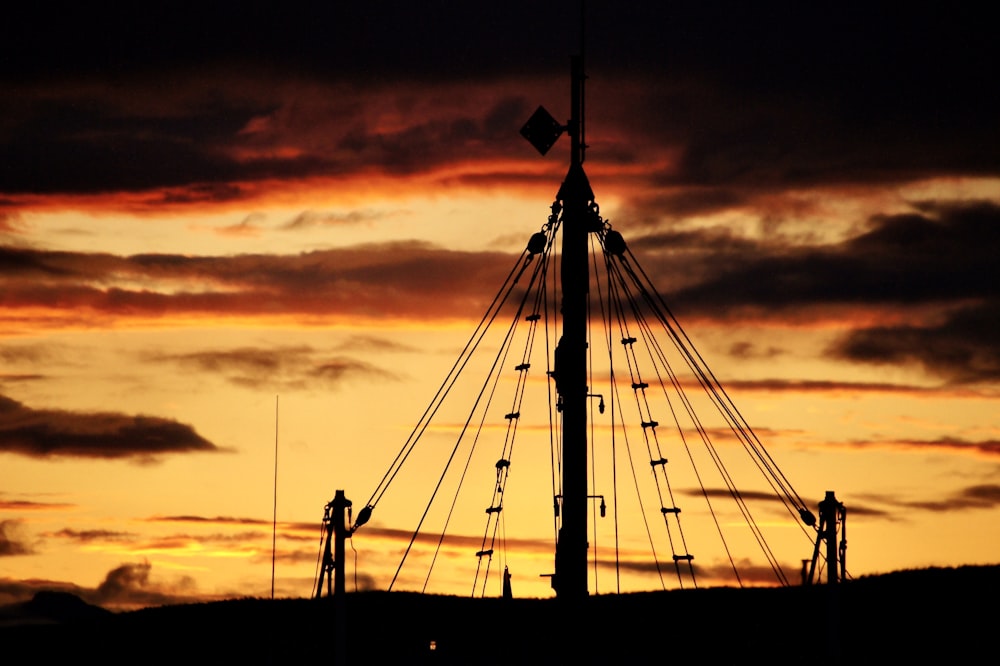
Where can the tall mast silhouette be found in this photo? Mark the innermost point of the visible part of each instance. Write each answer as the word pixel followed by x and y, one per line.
pixel 570 580
pixel 576 214
pixel 580 217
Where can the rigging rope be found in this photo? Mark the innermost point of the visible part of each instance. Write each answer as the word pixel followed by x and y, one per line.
pixel 449 380
pixel 657 460
pixel 496 307
pixel 606 323
pixel 710 384
pixel 631 301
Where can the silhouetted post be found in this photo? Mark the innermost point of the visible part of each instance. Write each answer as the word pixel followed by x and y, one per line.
pixel 570 580
pixel 341 531
pixel 830 512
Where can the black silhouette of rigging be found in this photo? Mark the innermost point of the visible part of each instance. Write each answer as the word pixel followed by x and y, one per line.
pixel 642 359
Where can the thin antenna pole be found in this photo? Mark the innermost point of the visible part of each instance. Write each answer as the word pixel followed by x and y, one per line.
pixel 583 78
pixel 274 521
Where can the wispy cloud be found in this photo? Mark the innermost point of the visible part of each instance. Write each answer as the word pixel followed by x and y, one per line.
pixel 217 520
pixel 309 218
pixel 30 505
pixel 848 388
pixel 89 536
pixel 243 543
pixel 755 497
pixel 988 448
pixel 453 540
pixel 286 367
pixel 971 498
pixel 291 530
pixel 12 539
pixel 976 497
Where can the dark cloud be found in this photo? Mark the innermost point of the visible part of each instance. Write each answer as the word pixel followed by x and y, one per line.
pixel 763 97
pixel 725 493
pixel 937 255
pixel 102 152
pixel 130 586
pixel 678 203
pixel 936 262
pixel 338 41
pixel 14 591
pixel 50 433
pixel 12 540
pixel 962 349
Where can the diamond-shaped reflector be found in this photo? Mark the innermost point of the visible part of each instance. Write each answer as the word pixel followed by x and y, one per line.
pixel 542 130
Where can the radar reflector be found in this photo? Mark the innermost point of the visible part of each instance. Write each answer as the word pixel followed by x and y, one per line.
pixel 542 130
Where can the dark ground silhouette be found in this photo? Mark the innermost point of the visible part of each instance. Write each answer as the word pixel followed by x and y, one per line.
pixel 909 616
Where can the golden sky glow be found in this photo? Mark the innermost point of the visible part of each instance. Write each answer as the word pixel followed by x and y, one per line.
pixel 185 240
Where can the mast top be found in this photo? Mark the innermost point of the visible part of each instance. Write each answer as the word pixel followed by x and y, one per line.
pixel 542 130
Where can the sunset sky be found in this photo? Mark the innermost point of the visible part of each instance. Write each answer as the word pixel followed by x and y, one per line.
pixel 228 225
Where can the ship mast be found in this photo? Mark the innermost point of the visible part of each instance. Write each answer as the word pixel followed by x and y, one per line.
pixel 579 219
pixel 578 215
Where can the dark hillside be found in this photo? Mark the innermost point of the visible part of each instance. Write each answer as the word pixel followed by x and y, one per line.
pixel 904 616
